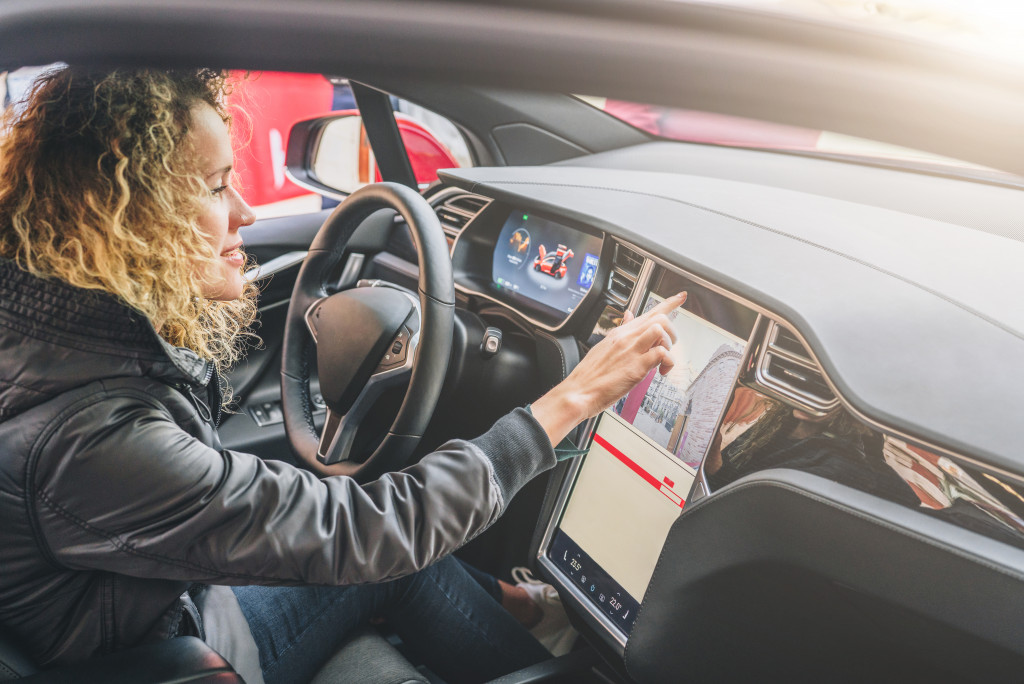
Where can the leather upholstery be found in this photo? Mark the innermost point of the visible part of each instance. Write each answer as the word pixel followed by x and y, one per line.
pixel 185 660
pixel 13 661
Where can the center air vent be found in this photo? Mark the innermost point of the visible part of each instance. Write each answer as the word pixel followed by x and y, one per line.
pixel 786 368
pixel 626 267
pixel 457 210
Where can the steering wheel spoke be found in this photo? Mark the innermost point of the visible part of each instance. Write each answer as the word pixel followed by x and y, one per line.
pixel 312 313
pixel 394 370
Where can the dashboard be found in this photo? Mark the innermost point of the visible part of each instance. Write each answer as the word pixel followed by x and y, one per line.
pixel 803 369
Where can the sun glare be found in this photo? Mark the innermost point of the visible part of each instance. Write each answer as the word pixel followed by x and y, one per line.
pixel 993 28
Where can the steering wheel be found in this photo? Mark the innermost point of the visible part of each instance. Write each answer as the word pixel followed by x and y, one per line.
pixel 367 339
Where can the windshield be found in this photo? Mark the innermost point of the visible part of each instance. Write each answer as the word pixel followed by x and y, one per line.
pixel 690 125
pixel 989 27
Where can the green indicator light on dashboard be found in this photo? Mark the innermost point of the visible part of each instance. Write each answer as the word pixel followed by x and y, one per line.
pixel 525 217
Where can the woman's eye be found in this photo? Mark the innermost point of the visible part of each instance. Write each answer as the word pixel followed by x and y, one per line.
pixel 218 190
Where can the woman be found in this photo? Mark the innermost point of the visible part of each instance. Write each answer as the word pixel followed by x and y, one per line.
pixel 121 300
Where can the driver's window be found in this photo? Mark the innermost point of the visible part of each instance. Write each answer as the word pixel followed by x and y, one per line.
pixel 264 107
pixel 438 143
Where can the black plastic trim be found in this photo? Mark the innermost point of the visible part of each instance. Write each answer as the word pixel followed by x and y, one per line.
pixel 385 138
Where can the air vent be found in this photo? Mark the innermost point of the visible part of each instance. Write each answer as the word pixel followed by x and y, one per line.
pixel 458 210
pixel 787 341
pixel 626 267
pixel 786 368
pixel 628 261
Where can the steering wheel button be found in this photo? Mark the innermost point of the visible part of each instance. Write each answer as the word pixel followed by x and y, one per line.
pixel 396 347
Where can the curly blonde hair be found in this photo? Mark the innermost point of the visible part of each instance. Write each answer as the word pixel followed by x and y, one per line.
pixel 99 187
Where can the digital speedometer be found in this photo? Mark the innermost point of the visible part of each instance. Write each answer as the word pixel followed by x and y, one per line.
pixel 544 261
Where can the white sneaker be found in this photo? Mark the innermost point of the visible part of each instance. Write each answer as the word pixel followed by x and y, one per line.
pixel 553 631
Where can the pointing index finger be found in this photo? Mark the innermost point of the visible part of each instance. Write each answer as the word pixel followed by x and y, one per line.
pixel 667 306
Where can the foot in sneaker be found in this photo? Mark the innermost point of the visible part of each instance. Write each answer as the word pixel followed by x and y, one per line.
pixel 553 631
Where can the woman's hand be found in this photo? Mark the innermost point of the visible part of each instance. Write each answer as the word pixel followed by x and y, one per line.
pixel 612 368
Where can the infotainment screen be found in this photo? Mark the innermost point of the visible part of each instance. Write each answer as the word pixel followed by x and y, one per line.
pixel 544 261
pixel 644 452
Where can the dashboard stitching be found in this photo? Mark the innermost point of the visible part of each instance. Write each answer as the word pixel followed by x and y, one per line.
pixel 776 231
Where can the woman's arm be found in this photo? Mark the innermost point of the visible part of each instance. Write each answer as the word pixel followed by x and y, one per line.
pixel 129 491
pixel 121 487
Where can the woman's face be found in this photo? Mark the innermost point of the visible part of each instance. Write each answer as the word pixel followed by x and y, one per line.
pixel 224 210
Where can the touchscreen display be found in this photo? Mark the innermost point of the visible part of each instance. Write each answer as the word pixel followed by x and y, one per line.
pixel 545 261
pixel 679 411
pixel 643 458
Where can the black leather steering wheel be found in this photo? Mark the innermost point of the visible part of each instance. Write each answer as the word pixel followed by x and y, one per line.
pixel 367 339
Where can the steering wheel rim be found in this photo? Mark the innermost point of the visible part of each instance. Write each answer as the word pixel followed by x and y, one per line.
pixel 312 308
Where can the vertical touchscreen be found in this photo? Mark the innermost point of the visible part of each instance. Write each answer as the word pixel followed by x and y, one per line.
pixel 642 461
pixel 679 411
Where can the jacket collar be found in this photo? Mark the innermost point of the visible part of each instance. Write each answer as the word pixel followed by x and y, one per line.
pixel 54 336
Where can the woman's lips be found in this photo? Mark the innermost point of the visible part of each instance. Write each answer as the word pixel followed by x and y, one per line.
pixel 234 256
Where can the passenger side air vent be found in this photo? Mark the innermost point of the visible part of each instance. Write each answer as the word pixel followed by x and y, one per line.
pixel 457 210
pixel 626 266
pixel 786 368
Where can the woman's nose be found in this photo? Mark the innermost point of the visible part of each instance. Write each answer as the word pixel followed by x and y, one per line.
pixel 244 213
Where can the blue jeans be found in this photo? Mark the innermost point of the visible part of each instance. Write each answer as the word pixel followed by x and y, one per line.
pixel 444 615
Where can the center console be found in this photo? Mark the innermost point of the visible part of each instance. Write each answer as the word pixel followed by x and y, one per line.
pixel 642 457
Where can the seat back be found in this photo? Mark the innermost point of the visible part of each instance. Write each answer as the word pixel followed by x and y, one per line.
pixel 14 663
pixel 369 658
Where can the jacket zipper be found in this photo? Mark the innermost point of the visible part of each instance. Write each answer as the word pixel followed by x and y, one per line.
pixel 218 413
pixel 199 404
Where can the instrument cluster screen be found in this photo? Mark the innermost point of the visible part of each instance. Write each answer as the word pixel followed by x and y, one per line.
pixel 544 261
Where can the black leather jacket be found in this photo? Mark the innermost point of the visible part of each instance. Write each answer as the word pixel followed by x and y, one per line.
pixel 116 495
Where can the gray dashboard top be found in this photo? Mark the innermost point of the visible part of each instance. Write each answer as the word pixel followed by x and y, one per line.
pixel 994 207
pixel 917 322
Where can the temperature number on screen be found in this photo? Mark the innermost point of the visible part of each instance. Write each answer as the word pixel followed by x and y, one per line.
pixel 616 605
pixel 575 564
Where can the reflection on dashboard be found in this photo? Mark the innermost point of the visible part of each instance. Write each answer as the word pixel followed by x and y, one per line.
pixel 610 319
pixel 758 433
pixel 545 261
